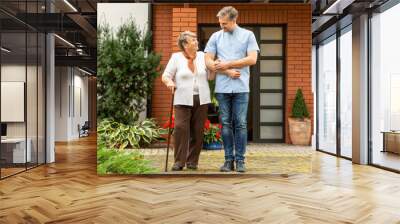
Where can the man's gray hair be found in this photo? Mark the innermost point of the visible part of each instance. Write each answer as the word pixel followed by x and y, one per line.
pixel 182 39
pixel 229 11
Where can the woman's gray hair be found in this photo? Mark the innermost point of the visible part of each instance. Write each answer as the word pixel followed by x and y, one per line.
pixel 182 39
pixel 229 11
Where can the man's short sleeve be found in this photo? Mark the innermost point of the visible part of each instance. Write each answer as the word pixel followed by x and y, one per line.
pixel 171 67
pixel 211 46
pixel 252 43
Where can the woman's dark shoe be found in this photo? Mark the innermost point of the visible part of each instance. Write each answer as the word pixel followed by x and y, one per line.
pixel 240 167
pixel 227 167
pixel 176 167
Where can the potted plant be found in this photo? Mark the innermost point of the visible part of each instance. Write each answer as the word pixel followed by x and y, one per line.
pixel 299 122
pixel 212 136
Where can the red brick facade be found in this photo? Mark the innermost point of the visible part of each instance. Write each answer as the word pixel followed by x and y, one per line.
pixel 183 19
pixel 170 19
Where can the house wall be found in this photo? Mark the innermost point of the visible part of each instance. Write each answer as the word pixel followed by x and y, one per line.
pixel 167 23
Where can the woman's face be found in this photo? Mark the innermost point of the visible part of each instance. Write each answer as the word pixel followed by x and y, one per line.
pixel 192 43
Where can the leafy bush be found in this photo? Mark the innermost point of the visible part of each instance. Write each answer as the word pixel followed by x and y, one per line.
pixel 115 135
pixel 110 161
pixel 299 109
pixel 126 70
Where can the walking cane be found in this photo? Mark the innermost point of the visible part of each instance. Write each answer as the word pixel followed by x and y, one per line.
pixel 169 132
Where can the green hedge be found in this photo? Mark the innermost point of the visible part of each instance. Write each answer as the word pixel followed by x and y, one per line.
pixel 127 68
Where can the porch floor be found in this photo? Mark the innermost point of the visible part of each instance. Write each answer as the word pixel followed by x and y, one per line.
pixel 260 159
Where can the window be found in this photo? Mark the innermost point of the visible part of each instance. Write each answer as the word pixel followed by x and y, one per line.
pixel 346 93
pixel 22 76
pixel 385 88
pixel 327 95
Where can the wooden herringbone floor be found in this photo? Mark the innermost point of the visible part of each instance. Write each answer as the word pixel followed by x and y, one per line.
pixel 70 191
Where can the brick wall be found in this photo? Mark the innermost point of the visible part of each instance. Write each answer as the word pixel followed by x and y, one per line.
pixel 183 19
pixel 297 18
pixel 162 32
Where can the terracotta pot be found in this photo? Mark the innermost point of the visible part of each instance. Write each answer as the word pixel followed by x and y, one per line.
pixel 300 131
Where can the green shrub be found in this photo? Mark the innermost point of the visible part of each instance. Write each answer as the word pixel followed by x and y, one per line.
pixel 115 135
pixel 126 70
pixel 110 161
pixel 299 109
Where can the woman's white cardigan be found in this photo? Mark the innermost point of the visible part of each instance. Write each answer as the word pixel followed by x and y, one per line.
pixel 177 70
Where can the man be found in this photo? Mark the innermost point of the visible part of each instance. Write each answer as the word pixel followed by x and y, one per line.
pixel 236 49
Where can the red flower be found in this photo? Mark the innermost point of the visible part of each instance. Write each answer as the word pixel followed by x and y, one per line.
pixel 218 135
pixel 207 124
pixel 165 125
pixel 220 126
pixel 168 124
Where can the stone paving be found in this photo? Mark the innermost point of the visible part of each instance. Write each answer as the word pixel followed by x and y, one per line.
pixel 260 159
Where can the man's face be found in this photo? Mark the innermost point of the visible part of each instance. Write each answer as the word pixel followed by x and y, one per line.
pixel 226 24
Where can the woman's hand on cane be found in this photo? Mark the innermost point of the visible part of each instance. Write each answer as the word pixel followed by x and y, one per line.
pixel 171 86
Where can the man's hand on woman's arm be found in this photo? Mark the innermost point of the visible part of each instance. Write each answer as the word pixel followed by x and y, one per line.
pixel 234 74
pixel 251 59
pixel 212 65
pixel 229 72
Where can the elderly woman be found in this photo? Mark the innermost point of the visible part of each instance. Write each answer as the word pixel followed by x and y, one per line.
pixel 187 77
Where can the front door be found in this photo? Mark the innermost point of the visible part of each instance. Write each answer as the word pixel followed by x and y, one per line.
pixel 268 84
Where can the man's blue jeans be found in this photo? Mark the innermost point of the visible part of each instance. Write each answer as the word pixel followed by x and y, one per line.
pixel 233 112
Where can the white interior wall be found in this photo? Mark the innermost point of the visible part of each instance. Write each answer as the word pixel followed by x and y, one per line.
pixel 61 104
pixel 78 117
pixel 33 126
pixel 12 73
pixel 68 116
